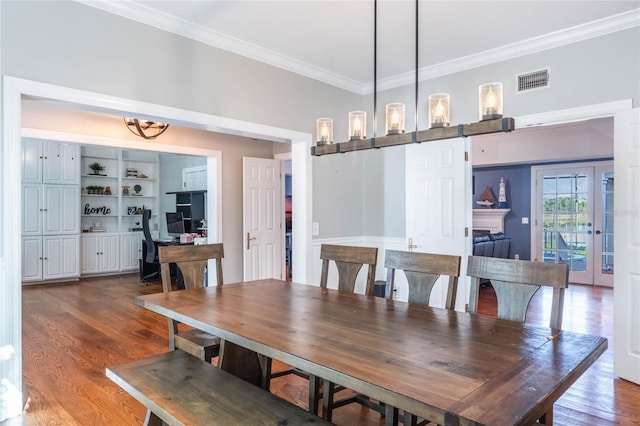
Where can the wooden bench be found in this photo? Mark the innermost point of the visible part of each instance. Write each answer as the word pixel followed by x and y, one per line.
pixel 181 389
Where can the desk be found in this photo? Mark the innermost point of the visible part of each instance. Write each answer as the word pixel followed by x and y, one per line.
pixel 451 367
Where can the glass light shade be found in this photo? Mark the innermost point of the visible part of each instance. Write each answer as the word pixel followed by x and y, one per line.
pixel 490 96
pixel 357 125
pixel 324 131
pixel 439 110
pixel 395 118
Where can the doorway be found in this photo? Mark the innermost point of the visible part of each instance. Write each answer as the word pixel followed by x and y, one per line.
pixel 573 219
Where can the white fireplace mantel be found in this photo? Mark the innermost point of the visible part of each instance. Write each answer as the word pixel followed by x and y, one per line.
pixel 491 220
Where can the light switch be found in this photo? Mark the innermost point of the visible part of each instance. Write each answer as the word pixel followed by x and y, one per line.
pixel 525 220
pixel 315 229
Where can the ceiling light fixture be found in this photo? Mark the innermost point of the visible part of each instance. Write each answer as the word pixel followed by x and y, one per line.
pixel 145 129
pixel 490 115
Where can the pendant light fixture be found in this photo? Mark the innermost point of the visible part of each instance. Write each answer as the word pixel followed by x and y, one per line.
pixel 145 129
pixel 490 114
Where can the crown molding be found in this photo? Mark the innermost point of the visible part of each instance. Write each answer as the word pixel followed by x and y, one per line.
pixel 149 16
pixel 611 24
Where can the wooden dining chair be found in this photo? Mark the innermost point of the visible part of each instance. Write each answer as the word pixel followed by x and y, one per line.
pixel 191 260
pixel 349 260
pixel 515 282
pixel 421 270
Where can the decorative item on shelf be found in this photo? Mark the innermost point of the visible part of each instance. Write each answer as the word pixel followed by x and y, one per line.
pixel 357 125
pixel 132 173
pixel 491 120
pixel 102 210
pixel 486 198
pixel 97 168
pixel 132 210
pixel 97 227
pixel 144 128
pixel 125 190
pixel 203 227
pixel 137 189
pixel 395 118
pixel 490 98
pixel 502 195
pixel 95 190
pixel 142 176
pixel 439 110
pixel 107 190
pixel 324 131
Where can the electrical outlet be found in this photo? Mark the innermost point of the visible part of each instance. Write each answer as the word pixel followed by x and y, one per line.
pixel 315 229
pixel 525 220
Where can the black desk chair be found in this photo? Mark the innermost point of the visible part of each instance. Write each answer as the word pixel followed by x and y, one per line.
pixel 149 263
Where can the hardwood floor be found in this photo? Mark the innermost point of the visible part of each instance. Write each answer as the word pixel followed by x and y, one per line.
pixel 73 331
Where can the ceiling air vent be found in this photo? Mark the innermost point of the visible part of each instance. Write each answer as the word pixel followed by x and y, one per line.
pixel 534 80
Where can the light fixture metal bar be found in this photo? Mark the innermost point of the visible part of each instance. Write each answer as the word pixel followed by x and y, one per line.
pixel 417 55
pixel 375 65
pixel 500 125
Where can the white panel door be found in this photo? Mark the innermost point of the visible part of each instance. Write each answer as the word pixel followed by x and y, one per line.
pixel 60 254
pixel 32 209
pixel 109 253
pixel 130 250
pixel 61 209
pixel 626 285
pixel 262 221
pixel 90 254
pixel 32 259
pixel 437 206
pixel 32 160
pixel 62 163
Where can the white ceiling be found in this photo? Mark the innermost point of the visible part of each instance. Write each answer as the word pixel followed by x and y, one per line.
pixel 332 41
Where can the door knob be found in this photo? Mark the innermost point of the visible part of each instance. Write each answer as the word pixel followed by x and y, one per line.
pixel 249 238
pixel 411 246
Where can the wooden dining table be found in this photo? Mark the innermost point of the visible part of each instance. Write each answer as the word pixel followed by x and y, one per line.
pixel 453 368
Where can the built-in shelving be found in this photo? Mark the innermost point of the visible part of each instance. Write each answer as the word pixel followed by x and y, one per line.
pixel 122 176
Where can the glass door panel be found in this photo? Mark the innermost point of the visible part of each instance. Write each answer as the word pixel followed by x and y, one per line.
pixel 603 238
pixel 566 220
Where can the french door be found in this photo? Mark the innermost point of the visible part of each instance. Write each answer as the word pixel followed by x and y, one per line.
pixel 574 220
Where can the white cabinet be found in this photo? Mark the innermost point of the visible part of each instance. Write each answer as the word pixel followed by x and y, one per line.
pixel 50 209
pixel 50 205
pixel 50 162
pixel 50 257
pixel 130 250
pixel 100 253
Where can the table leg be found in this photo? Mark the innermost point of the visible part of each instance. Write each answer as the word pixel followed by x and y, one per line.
pixel 241 362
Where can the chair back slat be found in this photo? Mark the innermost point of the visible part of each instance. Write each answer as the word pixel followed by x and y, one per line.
pixel 515 282
pixel 349 260
pixel 422 270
